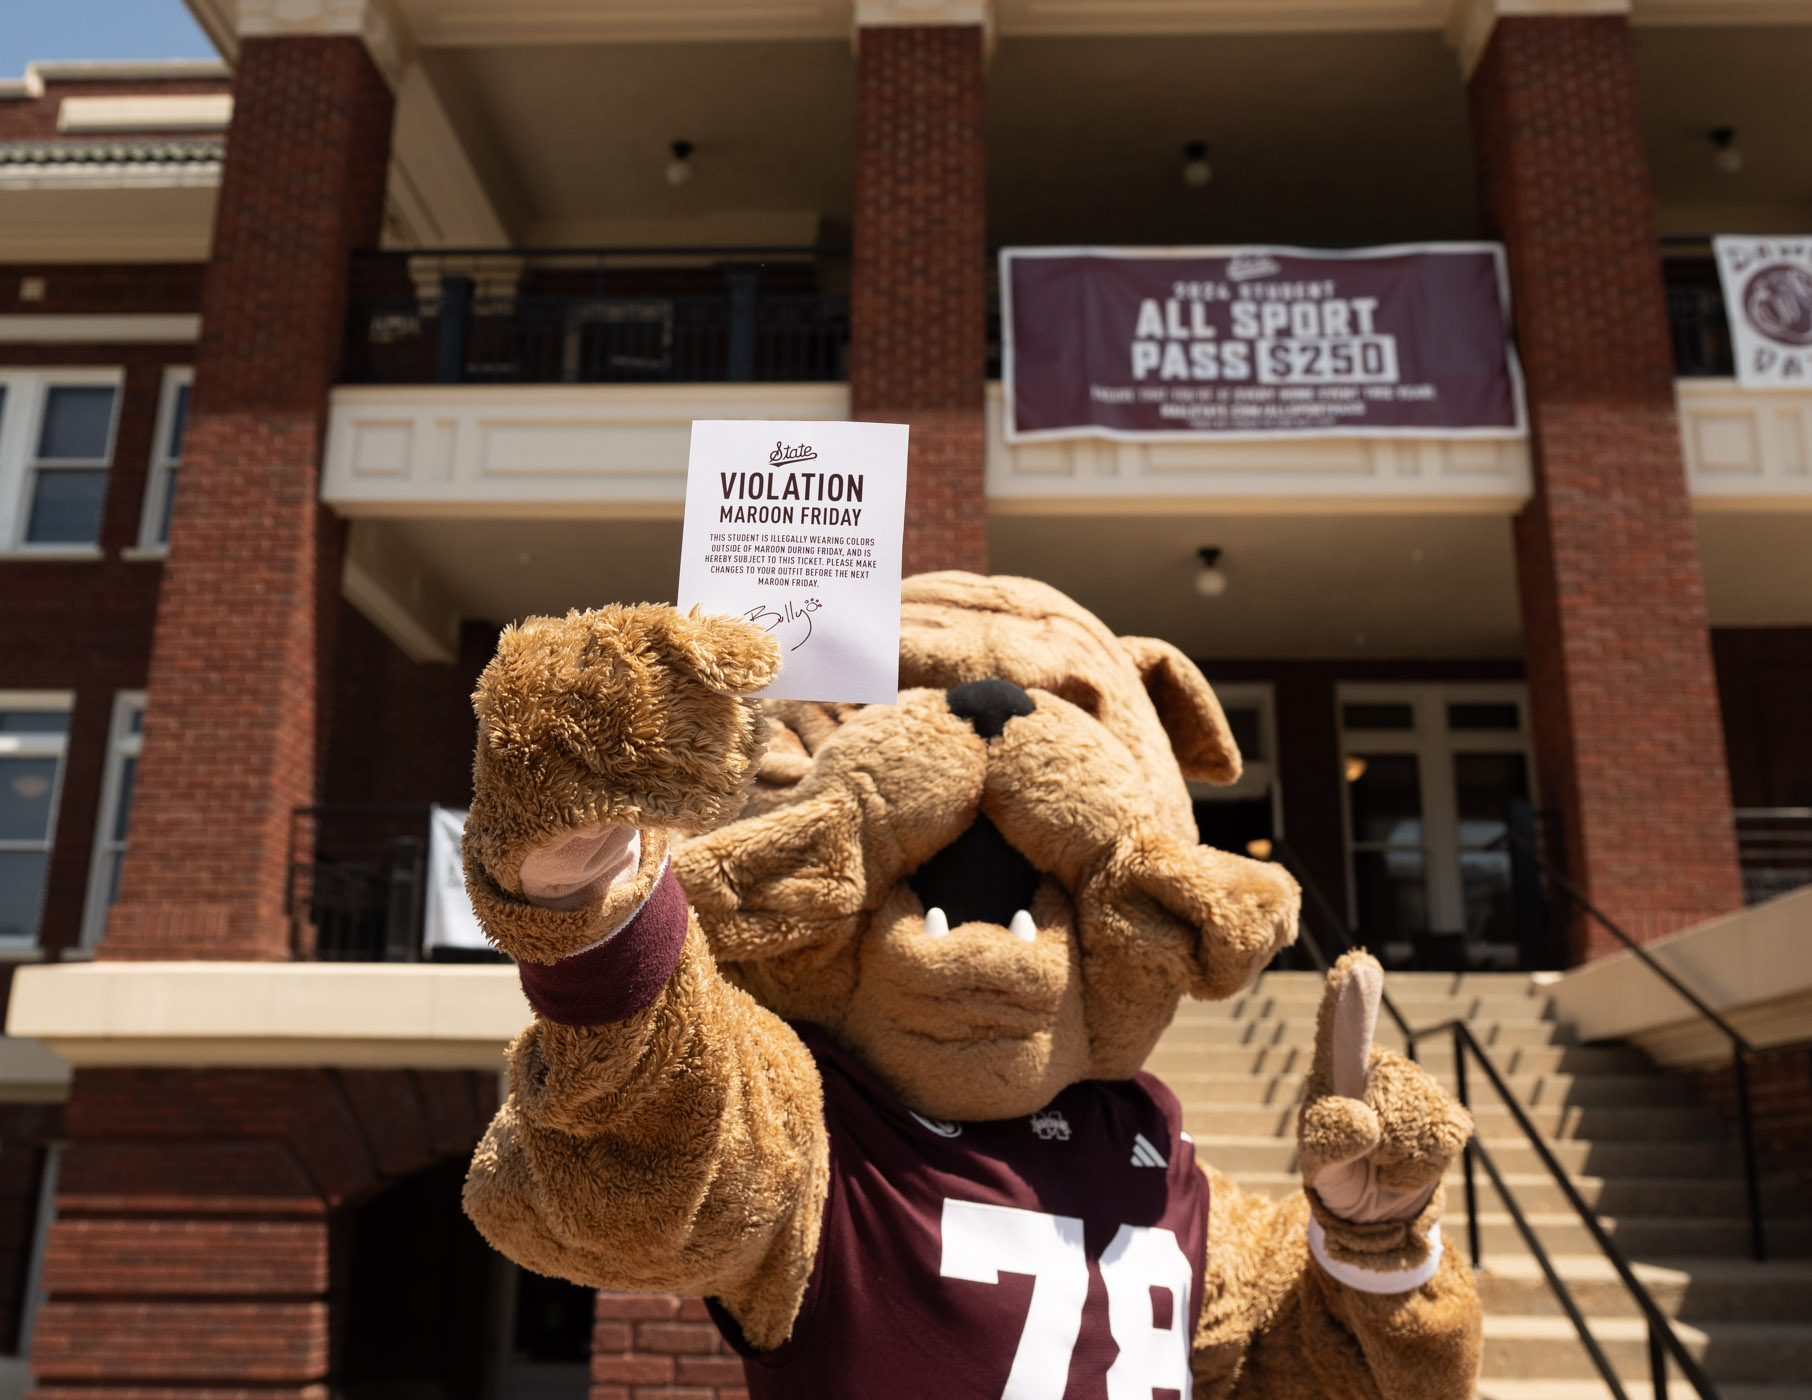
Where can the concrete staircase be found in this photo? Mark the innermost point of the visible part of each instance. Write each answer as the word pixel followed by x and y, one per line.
pixel 1661 1171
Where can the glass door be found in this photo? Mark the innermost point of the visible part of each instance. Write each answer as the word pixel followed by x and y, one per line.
pixel 1430 773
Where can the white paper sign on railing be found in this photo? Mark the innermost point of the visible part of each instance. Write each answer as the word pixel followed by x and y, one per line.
pixel 448 919
pixel 797 527
pixel 1768 299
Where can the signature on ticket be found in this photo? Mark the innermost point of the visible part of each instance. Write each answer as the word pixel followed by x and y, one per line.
pixel 768 617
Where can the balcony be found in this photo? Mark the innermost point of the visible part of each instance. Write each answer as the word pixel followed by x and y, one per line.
pixel 617 316
pixel 762 315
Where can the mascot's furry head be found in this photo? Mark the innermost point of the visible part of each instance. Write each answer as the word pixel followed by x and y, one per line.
pixel 994 888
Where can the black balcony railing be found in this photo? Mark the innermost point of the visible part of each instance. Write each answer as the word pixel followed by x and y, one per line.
pixel 356 882
pixel 1696 320
pixel 705 316
pixel 617 316
pixel 1774 847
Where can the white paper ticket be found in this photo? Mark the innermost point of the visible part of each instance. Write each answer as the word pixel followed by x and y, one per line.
pixel 796 526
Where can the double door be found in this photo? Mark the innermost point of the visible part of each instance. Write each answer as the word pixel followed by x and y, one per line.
pixel 1431 775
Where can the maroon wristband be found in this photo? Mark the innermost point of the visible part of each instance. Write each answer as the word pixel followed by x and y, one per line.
pixel 620 976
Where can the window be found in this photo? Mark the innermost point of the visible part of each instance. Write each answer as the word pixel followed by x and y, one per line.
pixel 166 456
pixel 1247 816
pixel 1430 774
pixel 56 444
pixel 116 812
pixel 34 731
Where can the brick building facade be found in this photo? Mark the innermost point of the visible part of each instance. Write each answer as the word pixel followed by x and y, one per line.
pixel 288 650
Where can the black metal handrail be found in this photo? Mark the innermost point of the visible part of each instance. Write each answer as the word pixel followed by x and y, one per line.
pixel 1663 1340
pixel 1740 1047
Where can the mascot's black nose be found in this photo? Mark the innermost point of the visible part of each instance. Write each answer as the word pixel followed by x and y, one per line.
pixel 988 705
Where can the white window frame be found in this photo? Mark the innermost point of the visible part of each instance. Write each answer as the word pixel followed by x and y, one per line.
pixel 27 392
pixel 38 746
pixel 1432 744
pixel 123 742
pixel 160 476
pixel 1257 776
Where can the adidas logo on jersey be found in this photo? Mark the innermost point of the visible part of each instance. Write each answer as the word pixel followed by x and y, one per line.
pixel 1144 1154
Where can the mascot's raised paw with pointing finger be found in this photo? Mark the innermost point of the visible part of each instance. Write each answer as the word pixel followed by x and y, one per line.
pixel 841 1013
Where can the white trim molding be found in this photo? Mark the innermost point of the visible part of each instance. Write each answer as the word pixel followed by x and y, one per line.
pixel 208 111
pixel 548 451
pixel 357 1015
pixel 1468 474
pixel 880 14
pixel 30 85
pixel 1746 450
pixel 99 330
pixel 1471 22
pixel 373 21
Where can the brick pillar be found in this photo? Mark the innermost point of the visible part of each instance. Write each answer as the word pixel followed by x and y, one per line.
pixel 250 588
pixel 1629 745
pixel 198 1212
pixel 642 1343
pixel 918 347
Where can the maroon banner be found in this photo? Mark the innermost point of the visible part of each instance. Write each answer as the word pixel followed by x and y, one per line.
pixel 1258 342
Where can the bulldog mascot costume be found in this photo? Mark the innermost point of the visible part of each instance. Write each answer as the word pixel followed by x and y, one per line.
pixel 840 1013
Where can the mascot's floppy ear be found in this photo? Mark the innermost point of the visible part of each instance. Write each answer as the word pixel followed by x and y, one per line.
pixel 1242 911
pixel 1191 716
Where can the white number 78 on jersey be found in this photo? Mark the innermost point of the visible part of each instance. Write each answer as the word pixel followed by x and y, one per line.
pixel 981 1242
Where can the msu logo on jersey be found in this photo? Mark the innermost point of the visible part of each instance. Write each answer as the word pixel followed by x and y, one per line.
pixel 1051 1126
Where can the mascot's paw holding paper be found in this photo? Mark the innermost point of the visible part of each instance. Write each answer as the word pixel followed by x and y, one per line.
pixel 841 1012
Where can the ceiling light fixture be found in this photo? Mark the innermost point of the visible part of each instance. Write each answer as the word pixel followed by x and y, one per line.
pixel 1725 154
pixel 1210 582
pixel 1196 170
pixel 679 169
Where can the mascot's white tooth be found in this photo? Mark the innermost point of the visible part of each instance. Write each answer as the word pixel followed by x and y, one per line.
pixel 935 923
pixel 1022 927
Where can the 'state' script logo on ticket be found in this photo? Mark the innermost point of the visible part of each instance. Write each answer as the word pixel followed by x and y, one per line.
pixel 796 527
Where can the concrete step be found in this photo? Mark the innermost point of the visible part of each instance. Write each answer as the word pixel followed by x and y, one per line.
pixel 1239 1155
pixel 1540 1347
pixel 1401 984
pixel 1583 1090
pixel 1493 1035
pixel 1293 1055
pixel 1557 1122
pixel 1639 1236
pixel 1418 1011
pixel 1782 1198
pixel 1695 1290
pixel 1490 1389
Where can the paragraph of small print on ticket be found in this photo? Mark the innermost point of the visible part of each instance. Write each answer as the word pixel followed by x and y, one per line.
pixel 796 527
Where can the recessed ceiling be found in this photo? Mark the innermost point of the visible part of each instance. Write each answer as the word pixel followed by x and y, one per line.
pixel 1324 139
pixel 1751 79
pixel 574 142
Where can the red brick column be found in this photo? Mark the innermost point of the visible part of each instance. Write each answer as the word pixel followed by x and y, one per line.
pixel 1629 745
pixel 659 1346
pixel 251 584
pixel 919 293
pixel 192 1253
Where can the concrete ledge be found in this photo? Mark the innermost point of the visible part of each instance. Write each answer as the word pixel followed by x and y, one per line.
pixel 349 1015
pixel 1754 967
pixel 31 1072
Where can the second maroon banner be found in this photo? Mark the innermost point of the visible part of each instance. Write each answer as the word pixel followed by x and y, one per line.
pixel 1258 342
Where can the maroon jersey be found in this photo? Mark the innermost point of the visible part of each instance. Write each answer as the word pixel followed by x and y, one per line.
pixel 1053 1257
